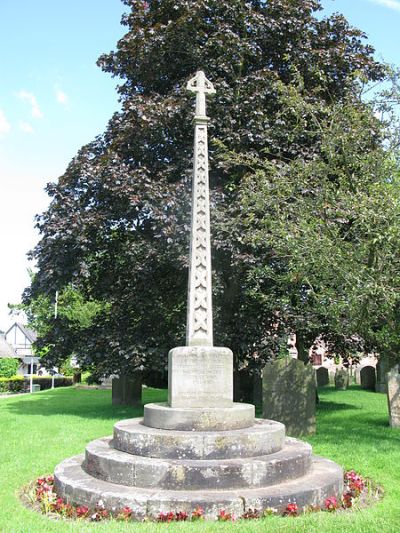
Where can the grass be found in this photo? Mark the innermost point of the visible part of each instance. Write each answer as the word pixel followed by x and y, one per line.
pixel 38 431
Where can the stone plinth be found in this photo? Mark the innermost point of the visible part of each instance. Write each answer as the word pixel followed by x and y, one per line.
pixel 289 395
pixel 200 376
pixel 161 416
pixel 393 386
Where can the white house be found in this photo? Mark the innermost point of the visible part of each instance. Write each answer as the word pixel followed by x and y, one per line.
pixel 20 339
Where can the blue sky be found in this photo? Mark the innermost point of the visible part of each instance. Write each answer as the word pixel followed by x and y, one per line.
pixel 54 99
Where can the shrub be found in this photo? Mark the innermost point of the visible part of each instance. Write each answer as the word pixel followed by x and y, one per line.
pixel 13 384
pixel 8 367
pixel 21 384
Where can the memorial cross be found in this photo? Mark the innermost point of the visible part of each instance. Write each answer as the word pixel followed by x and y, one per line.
pixel 199 328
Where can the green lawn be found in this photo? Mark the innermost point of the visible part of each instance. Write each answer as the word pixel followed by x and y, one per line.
pixel 38 431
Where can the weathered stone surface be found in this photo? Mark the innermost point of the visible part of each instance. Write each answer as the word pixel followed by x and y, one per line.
pixel 393 385
pixel 325 479
pixel 322 374
pixel 263 438
pixel 368 378
pixel 161 416
pixel 342 379
pixel 200 376
pixel 289 395
pixel 104 462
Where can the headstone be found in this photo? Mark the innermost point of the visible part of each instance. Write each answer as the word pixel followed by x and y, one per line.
pixel 341 379
pixel 127 390
pixel 357 377
pixel 383 366
pixel 243 386
pixel 257 390
pixel 322 374
pixel 289 395
pixel 367 378
pixel 393 385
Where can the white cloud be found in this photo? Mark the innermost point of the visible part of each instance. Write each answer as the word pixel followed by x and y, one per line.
pixel 29 97
pixel 4 124
pixel 391 4
pixel 61 97
pixel 26 127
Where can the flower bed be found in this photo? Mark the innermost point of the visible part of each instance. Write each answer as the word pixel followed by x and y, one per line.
pixel 42 497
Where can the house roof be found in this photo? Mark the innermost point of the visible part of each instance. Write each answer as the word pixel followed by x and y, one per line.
pixel 6 350
pixel 29 334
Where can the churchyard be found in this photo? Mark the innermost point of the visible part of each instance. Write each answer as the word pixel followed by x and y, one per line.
pixel 279 231
pixel 40 430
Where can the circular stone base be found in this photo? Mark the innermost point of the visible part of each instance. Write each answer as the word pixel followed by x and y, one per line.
pixel 162 416
pixel 76 486
pixel 263 438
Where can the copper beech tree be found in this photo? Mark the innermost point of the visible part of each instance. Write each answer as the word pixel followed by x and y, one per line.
pixel 116 231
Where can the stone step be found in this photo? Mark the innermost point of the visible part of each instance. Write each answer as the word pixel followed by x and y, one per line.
pixel 104 462
pixel 263 438
pixel 325 479
pixel 162 416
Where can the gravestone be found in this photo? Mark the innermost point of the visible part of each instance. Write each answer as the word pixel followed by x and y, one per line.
pixel 357 377
pixel 383 366
pixel 368 378
pixel 341 379
pixel 322 374
pixel 393 385
pixel 289 395
pixel 127 390
pixel 201 449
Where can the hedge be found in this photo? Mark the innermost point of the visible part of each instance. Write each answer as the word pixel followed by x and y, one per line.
pixel 21 384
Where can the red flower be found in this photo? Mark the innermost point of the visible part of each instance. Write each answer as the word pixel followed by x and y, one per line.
pixel 181 516
pixel 223 516
pixel 50 480
pixel 354 482
pixel 166 517
pixel 198 514
pixel 347 500
pixel 331 504
pixel 68 510
pixel 82 511
pixel 291 509
pixel 59 505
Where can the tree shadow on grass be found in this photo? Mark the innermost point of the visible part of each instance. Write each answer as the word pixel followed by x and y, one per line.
pixel 77 402
pixel 325 405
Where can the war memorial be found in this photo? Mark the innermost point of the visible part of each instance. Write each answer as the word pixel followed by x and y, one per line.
pixel 200 449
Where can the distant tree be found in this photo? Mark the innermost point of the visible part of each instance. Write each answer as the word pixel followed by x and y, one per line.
pixel 118 224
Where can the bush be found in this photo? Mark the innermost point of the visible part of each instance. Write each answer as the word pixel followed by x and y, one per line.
pixel 21 384
pixel 8 367
pixel 12 384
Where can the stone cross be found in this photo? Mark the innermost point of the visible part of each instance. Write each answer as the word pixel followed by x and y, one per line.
pixel 201 86
pixel 199 328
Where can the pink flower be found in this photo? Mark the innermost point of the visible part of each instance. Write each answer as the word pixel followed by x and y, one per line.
pixel 331 504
